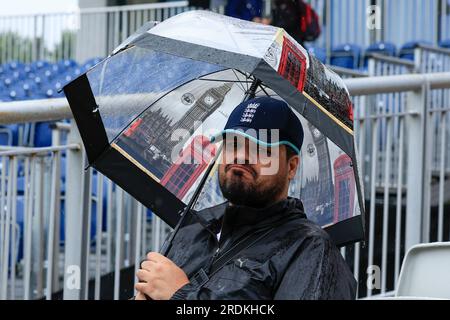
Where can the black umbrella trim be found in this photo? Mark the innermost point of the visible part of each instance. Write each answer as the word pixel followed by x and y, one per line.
pixel 87 116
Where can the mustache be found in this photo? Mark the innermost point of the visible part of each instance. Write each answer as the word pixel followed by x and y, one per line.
pixel 245 166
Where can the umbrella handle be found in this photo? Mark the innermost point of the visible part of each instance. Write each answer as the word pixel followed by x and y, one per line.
pixel 251 92
pixel 168 243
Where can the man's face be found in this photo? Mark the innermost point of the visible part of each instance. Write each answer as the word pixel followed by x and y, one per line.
pixel 247 175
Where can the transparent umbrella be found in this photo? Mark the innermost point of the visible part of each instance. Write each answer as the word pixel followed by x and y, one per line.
pixel 147 112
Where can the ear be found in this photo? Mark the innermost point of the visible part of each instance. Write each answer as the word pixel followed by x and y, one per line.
pixel 293 164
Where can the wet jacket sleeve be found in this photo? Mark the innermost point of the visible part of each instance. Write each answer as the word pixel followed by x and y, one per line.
pixel 190 292
pixel 317 272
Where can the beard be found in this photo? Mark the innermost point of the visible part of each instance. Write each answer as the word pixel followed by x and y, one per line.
pixel 240 191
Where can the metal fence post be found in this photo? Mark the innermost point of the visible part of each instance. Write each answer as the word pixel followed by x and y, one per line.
pixel 75 222
pixel 416 124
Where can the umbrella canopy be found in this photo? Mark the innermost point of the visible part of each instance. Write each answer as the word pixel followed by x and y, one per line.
pixel 147 112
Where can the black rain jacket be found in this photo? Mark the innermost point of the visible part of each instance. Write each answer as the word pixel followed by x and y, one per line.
pixel 296 260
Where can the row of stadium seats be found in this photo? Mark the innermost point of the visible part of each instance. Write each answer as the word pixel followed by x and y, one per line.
pixel 36 80
pixel 20 209
pixel 26 134
pixel 352 56
pixel 42 79
pixel 39 79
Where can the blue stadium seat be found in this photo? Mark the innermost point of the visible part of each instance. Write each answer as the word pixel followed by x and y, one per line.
pixel 93 210
pixel 47 74
pixel 40 64
pixel 49 91
pixel 56 87
pixel 20 219
pixel 385 48
pixel 27 69
pixel 319 53
pixel 28 90
pixel 445 43
pixel 18 75
pixel 104 200
pixel 4 96
pixel 15 94
pixel 66 78
pixel 407 50
pixel 67 64
pixel 6 136
pixel 63 168
pixel 43 134
pixel 62 231
pixel 13 131
pixel 346 56
pixel 15 65
pixel 75 72
pixel 91 62
pixel 8 82
pixel 38 82
pixel 20 185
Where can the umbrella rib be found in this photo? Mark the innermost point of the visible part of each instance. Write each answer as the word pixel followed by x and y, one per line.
pixel 242 86
pixel 264 90
pixel 248 77
pixel 231 81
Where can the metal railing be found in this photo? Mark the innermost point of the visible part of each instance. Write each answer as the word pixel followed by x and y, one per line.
pixel 398 213
pixel 87 33
pixel 58 219
pixel 407 196
pixel 95 32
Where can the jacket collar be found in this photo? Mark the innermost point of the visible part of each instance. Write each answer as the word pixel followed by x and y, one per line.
pixel 234 216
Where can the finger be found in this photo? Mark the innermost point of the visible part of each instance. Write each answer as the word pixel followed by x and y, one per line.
pixel 144 275
pixel 155 256
pixel 148 265
pixel 141 288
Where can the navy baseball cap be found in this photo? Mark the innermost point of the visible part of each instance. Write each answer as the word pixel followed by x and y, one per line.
pixel 251 117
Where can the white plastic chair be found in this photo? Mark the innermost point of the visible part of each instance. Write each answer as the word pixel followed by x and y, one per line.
pixel 425 272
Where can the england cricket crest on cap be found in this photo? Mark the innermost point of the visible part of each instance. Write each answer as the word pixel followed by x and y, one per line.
pixel 249 112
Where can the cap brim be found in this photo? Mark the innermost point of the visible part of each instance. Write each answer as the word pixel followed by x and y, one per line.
pixel 239 131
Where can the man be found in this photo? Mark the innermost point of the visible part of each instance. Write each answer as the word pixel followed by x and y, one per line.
pixel 288 257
